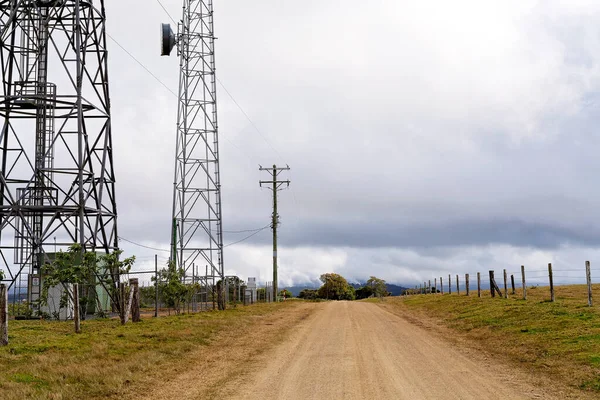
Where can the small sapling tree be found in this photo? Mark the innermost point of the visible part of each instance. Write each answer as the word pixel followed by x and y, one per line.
pixel 69 268
pixel 83 268
pixel 174 291
pixel 110 277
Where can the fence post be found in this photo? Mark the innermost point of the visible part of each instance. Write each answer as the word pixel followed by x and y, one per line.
pixel 505 286
pixel 467 283
pixel 449 284
pixel 76 315
pixel 478 284
pixel 492 291
pixel 551 282
pixel 123 302
pixel 588 276
pixel 442 285
pixel 524 282
pixel 156 285
pixel 135 304
pixel 435 284
pixel 512 283
pixel 457 286
pixel 3 315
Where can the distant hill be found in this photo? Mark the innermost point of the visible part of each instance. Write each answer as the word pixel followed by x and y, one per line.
pixel 297 289
pixel 395 290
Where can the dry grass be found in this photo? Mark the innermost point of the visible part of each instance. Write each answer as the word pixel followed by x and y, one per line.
pixel 560 340
pixel 46 360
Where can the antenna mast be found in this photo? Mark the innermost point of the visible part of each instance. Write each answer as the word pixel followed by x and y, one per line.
pixel 57 183
pixel 196 233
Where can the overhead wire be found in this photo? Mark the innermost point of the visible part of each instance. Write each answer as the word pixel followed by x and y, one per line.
pixel 250 120
pixel 247 237
pixel 165 10
pixel 142 65
pixel 141 245
pixel 248 230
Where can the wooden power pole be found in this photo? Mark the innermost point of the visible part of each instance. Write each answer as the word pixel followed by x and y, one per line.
pixel 275 185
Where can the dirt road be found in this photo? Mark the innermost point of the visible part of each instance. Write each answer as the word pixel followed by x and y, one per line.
pixel 357 350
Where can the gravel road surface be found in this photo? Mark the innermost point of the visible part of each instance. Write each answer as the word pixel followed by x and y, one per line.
pixel 357 350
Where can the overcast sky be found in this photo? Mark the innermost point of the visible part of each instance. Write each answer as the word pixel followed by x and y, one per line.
pixel 424 137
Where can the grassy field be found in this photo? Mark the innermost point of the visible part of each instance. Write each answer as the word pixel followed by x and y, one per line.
pixel 47 360
pixel 560 340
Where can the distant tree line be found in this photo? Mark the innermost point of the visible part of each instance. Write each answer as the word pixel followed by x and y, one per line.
pixel 336 287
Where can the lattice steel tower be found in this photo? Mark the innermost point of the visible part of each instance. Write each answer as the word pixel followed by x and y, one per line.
pixel 197 236
pixel 57 183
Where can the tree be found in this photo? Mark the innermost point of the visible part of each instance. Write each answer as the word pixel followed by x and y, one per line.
pixel 364 292
pixel 76 266
pixel 110 278
pixel 285 294
pixel 308 294
pixel 378 286
pixel 174 291
pixel 335 287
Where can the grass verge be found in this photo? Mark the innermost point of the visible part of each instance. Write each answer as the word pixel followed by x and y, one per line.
pixel 46 360
pixel 560 340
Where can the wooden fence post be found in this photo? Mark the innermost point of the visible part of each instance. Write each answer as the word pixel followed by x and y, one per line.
pixel 435 284
pixel 492 291
pixel 3 315
pixel 524 282
pixel 467 283
pixel 135 304
pixel 588 276
pixel 512 283
pixel 129 303
pixel 449 284
pixel 457 286
pixel 478 284
pixel 505 286
pixel 442 285
pixel 123 302
pixel 551 282
pixel 76 315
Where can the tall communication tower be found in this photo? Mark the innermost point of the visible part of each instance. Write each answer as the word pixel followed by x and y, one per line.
pixel 57 183
pixel 197 236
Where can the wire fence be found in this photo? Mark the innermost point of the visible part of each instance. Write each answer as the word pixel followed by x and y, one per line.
pixel 506 282
pixel 204 293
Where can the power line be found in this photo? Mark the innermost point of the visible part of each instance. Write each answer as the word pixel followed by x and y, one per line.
pixel 142 65
pixel 163 7
pixel 249 120
pixel 247 237
pixel 248 230
pixel 141 245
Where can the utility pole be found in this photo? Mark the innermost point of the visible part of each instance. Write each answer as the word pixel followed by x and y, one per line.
pixel 275 185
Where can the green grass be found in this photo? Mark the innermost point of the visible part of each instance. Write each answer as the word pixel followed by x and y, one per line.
pixel 561 339
pixel 45 359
